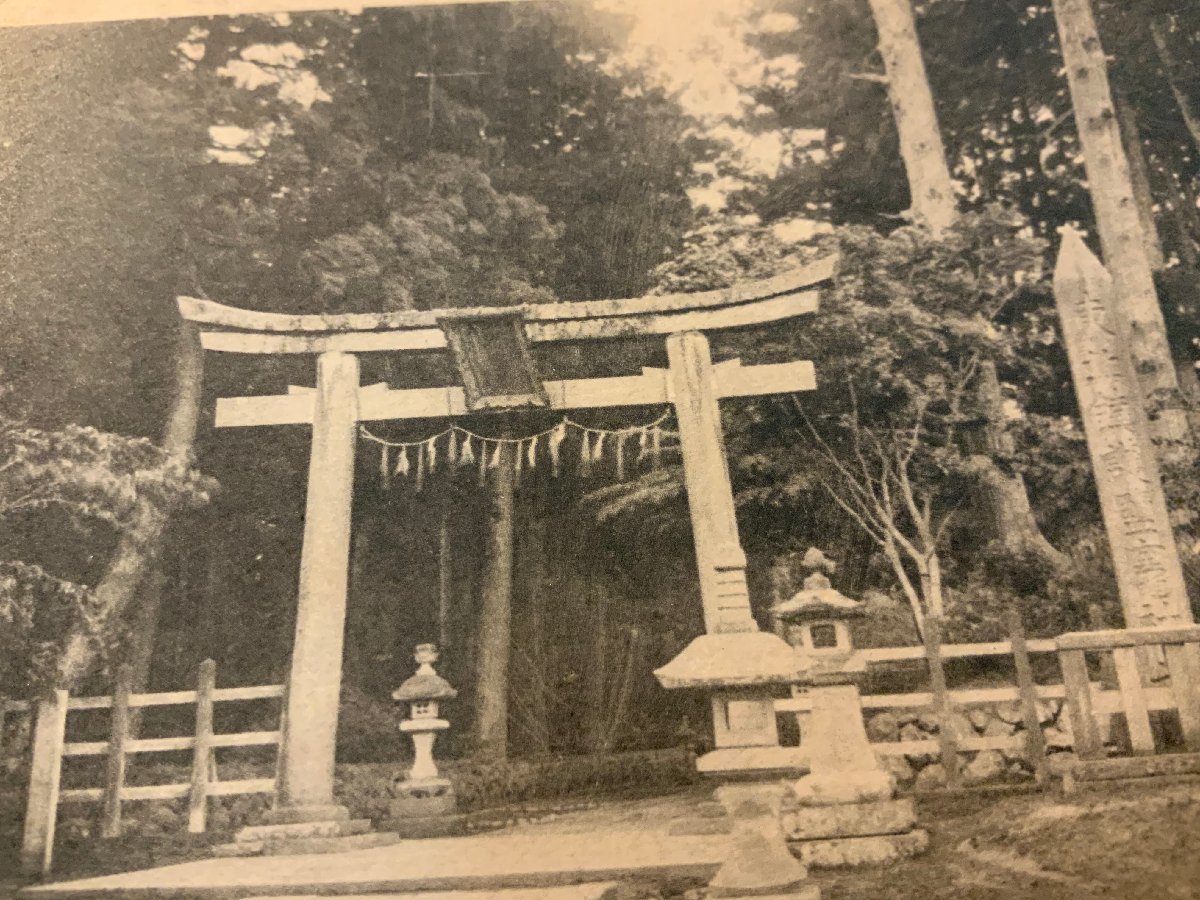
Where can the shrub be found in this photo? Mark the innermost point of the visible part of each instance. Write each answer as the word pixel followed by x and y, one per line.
pixel 479 784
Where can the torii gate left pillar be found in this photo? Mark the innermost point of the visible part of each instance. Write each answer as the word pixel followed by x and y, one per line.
pixel 311 709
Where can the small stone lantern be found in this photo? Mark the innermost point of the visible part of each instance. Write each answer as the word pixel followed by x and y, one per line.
pixel 847 812
pixel 423 692
pixel 819 616
pixel 424 802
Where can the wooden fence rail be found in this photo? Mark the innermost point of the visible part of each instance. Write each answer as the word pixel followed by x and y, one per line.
pixel 50 747
pixel 1088 705
pixel 943 702
pixel 1132 651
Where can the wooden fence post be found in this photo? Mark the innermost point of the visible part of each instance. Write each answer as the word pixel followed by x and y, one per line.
pixel 202 750
pixel 1035 743
pixel 283 736
pixel 41 811
pixel 941 700
pixel 1183 662
pixel 1133 701
pixel 1079 704
pixel 114 781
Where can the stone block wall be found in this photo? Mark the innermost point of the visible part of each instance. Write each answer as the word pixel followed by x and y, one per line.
pixel 923 770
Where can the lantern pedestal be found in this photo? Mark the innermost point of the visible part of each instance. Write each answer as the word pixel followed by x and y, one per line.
pixel 845 812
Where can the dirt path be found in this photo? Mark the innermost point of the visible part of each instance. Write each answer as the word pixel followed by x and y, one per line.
pixel 1123 841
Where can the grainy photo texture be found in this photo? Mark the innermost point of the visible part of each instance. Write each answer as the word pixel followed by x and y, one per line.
pixel 599 449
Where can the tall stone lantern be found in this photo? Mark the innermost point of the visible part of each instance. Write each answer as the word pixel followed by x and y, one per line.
pixel 423 802
pixel 742 671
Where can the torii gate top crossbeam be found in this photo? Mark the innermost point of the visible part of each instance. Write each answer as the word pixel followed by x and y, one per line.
pixel 793 293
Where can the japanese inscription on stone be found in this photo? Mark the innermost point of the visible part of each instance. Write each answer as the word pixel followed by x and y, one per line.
pixel 1149 575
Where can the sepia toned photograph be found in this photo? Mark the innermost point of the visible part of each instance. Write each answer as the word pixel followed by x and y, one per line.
pixel 599 449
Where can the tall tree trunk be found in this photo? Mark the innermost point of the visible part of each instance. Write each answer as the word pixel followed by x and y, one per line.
pixel 921 146
pixel 595 685
pixel 530 700
pixel 445 610
pixel 1160 30
pixel 1111 187
pixel 140 547
pixel 495 625
pixel 1003 497
pixel 143 634
pixel 1139 173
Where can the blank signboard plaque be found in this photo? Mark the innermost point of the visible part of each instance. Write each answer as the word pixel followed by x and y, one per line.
pixel 493 356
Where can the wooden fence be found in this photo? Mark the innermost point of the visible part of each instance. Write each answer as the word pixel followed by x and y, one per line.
pixel 50 747
pixel 1089 704
pixel 1131 652
pixel 943 702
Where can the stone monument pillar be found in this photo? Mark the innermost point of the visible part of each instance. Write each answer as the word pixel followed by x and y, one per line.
pixel 1136 519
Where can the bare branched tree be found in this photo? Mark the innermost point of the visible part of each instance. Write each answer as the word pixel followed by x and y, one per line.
pixel 883 484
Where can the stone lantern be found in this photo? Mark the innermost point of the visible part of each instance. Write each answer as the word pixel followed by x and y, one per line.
pixel 741 671
pixel 816 618
pixel 846 811
pixel 424 802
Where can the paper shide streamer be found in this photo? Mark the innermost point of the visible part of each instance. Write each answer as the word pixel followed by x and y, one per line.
pixel 459 445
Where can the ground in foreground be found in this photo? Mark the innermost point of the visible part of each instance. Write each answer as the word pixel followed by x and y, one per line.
pixel 1120 841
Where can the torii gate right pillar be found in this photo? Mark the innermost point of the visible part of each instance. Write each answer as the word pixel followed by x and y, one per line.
pixel 719 556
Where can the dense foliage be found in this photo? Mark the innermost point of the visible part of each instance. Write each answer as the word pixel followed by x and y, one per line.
pixel 58 488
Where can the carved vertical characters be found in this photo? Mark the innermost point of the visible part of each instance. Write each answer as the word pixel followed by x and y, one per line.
pixel 1149 575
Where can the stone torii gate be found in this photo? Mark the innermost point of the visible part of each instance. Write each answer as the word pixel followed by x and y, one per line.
pixel 692 383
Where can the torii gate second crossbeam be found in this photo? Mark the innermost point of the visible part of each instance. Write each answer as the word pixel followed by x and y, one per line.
pixel 692 383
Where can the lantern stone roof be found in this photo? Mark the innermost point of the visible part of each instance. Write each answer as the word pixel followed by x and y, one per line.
pixel 818 599
pixel 740 659
pixel 424 686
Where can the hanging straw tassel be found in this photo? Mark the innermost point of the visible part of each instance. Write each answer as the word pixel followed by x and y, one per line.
pixel 452 450
pixel 494 462
pixel 598 447
pixel 557 436
pixel 531 454
pixel 385 469
pixel 585 456
pixel 468 455
pixel 432 445
pixel 421 465
pixel 483 462
pixel 656 444
pixel 402 466
pixel 620 438
pixel 517 461
pixel 643 443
